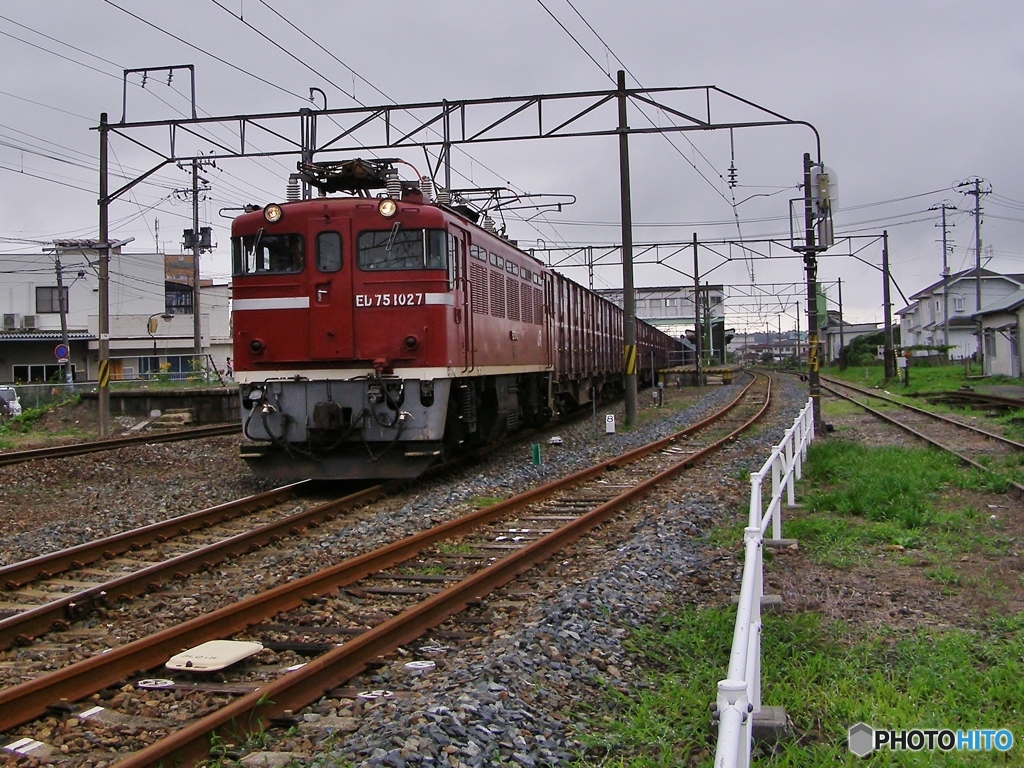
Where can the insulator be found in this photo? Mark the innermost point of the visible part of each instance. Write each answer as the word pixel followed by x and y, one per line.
pixel 427 188
pixel 489 225
pixel 444 197
pixel 394 186
pixel 292 193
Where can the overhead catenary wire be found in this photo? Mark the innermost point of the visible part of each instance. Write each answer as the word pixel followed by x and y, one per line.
pixel 29 148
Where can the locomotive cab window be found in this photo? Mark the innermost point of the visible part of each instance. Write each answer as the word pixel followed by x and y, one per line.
pixel 398 248
pixel 263 254
pixel 328 252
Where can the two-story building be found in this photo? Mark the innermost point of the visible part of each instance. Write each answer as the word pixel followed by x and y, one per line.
pixel 50 306
pixel 925 322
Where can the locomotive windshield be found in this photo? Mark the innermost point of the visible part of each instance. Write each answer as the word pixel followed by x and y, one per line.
pixel 263 254
pixel 403 249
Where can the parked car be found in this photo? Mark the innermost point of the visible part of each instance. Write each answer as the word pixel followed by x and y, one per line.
pixel 10 405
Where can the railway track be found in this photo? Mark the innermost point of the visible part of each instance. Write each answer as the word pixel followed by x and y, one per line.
pixel 95 446
pixel 980 448
pixel 380 601
pixel 49 592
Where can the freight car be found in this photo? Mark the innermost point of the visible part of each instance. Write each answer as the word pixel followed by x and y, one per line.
pixel 379 331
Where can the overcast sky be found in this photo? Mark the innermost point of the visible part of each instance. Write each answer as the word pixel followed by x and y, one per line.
pixel 910 98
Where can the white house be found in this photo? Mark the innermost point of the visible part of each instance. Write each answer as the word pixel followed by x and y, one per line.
pixel 148 331
pixel 924 320
pixel 1001 324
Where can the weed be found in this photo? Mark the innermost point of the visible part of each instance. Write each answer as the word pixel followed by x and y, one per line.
pixel 479 502
pixel 454 548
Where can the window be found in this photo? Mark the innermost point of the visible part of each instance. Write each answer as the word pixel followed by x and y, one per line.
pixel 478 253
pixel 48 300
pixel 526 274
pixel 670 302
pixel 497 261
pixel 263 254
pixel 403 249
pixel 512 268
pixel 455 258
pixel 655 303
pixel 328 252
pixel 25 374
pixel 990 344
pixel 958 303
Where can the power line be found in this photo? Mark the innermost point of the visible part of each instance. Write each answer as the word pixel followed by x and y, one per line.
pixel 283 49
pixel 204 51
pixel 58 55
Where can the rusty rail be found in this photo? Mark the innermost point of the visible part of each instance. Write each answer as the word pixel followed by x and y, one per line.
pixel 95 446
pixel 29 700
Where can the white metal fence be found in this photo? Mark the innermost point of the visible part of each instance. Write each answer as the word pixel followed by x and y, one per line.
pixel 739 695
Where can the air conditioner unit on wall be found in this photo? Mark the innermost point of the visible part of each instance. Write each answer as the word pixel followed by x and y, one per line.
pixel 12 321
pixel 29 322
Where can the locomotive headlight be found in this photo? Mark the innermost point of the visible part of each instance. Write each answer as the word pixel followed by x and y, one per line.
pixel 273 213
pixel 387 207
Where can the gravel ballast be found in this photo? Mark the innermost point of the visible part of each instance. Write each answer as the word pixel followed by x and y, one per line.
pixel 513 695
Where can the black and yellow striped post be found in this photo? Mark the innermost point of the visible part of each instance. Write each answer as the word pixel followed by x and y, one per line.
pixel 630 360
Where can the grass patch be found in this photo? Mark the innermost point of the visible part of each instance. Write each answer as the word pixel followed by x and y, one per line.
pixel 479 502
pixel 826 681
pixel 454 548
pixel 885 484
pixel 22 424
pixel 865 498
pixel 937 378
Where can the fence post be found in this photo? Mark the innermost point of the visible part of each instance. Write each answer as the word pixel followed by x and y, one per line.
pixel 790 468
pixel 756 478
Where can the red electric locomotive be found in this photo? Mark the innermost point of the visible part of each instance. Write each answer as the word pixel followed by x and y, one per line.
pixel 375 335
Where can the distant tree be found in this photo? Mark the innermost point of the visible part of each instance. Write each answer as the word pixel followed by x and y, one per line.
pixel 863 350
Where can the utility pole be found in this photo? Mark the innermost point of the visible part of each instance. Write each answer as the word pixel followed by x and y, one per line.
pixel 62 299
pixel 810 251
pixel 698 335
pixel 782 350
pixel 977 192
pixel 628 295
pixel 842 335
pixel 197 331
pixel 796 309
pixel 890 353
pixel 197 239
pixel 103 371
pixel 945 272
